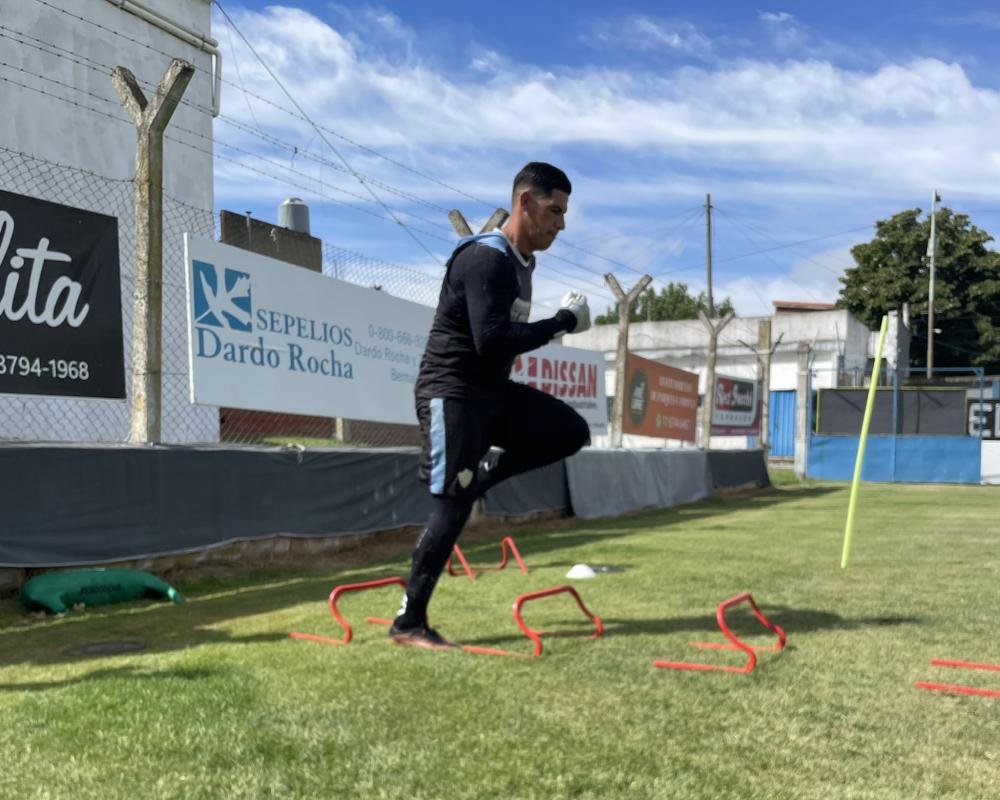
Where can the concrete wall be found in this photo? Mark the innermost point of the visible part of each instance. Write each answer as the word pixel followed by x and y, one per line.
pixel 75 65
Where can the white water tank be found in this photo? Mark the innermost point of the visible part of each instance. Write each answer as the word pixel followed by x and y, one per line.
pixel 294 215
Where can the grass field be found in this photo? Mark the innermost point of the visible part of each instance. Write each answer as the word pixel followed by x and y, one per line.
pixel 222 704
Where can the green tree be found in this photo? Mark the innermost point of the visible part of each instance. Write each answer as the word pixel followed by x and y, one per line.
pixel 892 269
pixel 673 302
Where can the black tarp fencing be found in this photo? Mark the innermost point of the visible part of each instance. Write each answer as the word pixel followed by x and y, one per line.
pixel 80 505
pixel 88 505
pixel 542 489
pixel 605 483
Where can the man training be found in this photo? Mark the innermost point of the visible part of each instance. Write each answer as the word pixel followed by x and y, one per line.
pixel 466 402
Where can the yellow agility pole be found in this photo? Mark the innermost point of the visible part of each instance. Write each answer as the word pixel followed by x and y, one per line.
pixel 869 406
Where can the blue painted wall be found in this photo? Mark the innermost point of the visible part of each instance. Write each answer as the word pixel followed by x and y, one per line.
pixel 907 459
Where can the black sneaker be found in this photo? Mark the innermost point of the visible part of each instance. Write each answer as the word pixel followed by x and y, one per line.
pixel 421 636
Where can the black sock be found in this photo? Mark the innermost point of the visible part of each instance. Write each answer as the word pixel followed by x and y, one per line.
pixel 429 557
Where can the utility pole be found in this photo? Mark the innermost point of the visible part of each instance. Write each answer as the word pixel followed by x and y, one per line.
pixel 932 256
pixel 150 118
pixel 714 329
pixel 624 304
pixel 708 252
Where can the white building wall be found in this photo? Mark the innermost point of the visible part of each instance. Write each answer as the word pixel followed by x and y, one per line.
pixel 67 49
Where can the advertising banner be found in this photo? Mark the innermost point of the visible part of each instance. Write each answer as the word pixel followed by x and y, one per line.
pixel 573 375
pixel 660 401
pixel 269 336
pixel 736 407
pixel 60 301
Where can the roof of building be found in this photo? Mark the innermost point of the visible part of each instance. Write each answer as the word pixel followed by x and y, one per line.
pixel 795 305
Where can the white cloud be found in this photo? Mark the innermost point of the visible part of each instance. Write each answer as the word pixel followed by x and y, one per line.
pixel 799 133
pixel 907 123
pixel 639 32
pixel 488 62
pixel 978 19
pixel 813 279
pixel 775 17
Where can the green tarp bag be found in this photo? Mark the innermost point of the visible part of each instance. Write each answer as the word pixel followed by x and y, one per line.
pixel 59 591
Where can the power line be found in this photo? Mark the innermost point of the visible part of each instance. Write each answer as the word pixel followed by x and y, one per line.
pixel 102 68
pixel 570 281
pixel 794 244
pixel 326 141
pixel 208 111
pixel 275 141
pixel 295 150
pixel 787 275
pixel 694 215
pixel 182 129
pixel 239 76
pixel 760 232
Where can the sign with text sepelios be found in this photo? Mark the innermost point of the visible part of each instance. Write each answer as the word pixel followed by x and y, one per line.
pixel 736 407
pixel 265 335
pixel 573 375
pixel 60 301
pixel 660 400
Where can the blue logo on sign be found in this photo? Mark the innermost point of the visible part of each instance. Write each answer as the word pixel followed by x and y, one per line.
pixel 222 302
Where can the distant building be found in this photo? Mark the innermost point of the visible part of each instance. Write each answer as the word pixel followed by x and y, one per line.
pixel 798 307
pixel 840 347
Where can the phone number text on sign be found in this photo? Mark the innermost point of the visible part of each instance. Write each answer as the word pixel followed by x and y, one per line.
pixel 402 338
pixel 53 367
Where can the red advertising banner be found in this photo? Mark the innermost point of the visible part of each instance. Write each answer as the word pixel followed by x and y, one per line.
pixel 660 401
pixel 736 407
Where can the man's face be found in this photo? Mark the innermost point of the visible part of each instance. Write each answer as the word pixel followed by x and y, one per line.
pixel 546 217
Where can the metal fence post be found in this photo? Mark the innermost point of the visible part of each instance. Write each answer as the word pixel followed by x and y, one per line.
pixel 714 329
pixel 624 308
pixel 802 403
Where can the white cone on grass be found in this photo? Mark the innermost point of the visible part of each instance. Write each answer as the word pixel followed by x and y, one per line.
pixel 581 571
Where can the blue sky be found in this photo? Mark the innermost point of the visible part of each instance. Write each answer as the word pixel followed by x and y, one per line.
pixel 806 122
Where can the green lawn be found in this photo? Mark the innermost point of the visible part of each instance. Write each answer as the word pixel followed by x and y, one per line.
pixel 222 704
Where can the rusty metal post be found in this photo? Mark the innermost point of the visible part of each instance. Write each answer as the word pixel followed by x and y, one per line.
pixel 150 119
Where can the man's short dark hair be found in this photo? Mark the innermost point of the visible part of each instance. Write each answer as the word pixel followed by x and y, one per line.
pixel 541 179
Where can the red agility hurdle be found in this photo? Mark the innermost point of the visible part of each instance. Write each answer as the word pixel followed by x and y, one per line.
pixel 335 595
pixel 533 635
pixel 507 544
pixel 959 688
pixel 734 642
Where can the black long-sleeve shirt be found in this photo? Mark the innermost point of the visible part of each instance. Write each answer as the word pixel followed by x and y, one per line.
pixel 481 320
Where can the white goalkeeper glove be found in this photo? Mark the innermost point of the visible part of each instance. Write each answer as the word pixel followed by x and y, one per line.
pixel 576 304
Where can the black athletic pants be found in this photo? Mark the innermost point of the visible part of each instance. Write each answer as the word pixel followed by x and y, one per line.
pixel 530 427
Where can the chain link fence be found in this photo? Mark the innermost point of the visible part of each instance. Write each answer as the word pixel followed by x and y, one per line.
pixel 55 419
